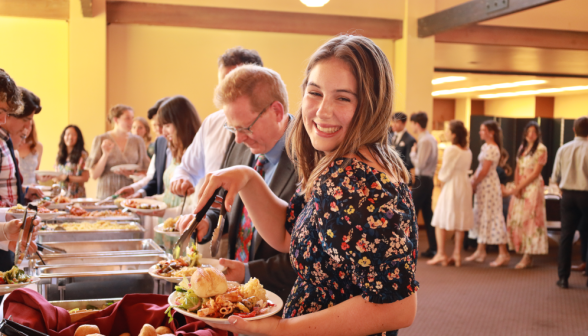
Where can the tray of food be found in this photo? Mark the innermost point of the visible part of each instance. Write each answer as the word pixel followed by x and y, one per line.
pixel 13 279
pixel 93 270
pixel 143 205
pixel 59 202
pixel 77 212
pixel 45 214
pixel 168 227
pixel 79 309
pixel 175 270
pixel 107 259
pixel 90 230
pixel 104 248
pixel 209 297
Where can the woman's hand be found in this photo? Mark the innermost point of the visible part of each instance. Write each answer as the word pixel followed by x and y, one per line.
pixel 518 191
pixel 107 146
pixel 12 228
pixel 60 178
pixel 237 325
pixel 33 193
pixel 232 179
pixel 126 192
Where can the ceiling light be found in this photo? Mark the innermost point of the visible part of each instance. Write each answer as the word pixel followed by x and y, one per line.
pixel 489 87
pixel 314 3
pixel 534 92
pixel 447 79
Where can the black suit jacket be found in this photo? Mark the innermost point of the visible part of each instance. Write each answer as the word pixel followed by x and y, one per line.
pixel 156 186
pixel 403 147
pixel 272 268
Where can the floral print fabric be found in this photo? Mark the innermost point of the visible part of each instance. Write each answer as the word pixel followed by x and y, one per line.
pixel 356 236
pixel 73 189
pixel 526 216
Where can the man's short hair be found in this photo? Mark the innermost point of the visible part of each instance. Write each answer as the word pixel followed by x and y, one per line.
pixel 420 118
pixel 581 127
pixel 153 110
pixel 10 93
pixel 400 116
pixel 238 55
pixel 31 104
pixel 262 85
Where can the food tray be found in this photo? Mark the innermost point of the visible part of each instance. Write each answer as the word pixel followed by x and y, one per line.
pixel 54 261
pixel 93 270
pixel 82 304
pixel 104 248
pixel 66 236
pixel 69 218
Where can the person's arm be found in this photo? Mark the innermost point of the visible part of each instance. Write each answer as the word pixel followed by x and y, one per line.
pixel 541 154
pixel 100 152
pixel 556 174
pixel 192 168
pixel 266 210
pixel 450 156
pixel 481 173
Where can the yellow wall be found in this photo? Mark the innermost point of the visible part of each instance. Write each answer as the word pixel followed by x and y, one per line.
pixel 519 107
pixel 571 107
pixel 35 54
pixel 146 63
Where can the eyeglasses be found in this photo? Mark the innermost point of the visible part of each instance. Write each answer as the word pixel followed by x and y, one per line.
pixel 245 130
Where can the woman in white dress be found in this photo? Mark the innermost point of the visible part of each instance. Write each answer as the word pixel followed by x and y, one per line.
pixel 454 208
pixel 489 224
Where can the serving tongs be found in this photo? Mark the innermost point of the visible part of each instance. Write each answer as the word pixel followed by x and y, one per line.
pixel 51 249
pixel 218 232
pixel 107 199
pixel 192 226
pixel 26 233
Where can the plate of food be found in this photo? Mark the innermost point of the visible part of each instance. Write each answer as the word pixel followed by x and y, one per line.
pixel 143 205
pixel 14 279
pixel 49 173
pixel 131 167
pixel 45 214
pixel 209 297
pixel 168 227
pixel 77 212
pixel 175 270
pixel 59 202
pixel 96 226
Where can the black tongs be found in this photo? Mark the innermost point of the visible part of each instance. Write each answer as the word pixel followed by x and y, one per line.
pixel 26 233
pixel 192 227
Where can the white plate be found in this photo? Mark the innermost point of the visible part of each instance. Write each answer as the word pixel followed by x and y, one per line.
pixel 47 173
pixel 43 216
pixel 204 261
pixel 84 200
pixel 159 229
pixel 5 288
pixel 131 166
pixel 162 205
pixel 271 297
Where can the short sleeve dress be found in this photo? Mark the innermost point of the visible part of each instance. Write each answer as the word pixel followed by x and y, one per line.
pixel 489 225
pixel 356 236
pixel 73 189
pixel 134 153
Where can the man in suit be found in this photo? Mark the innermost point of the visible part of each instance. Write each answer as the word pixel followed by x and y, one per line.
pixel 400 139
pixel 255 102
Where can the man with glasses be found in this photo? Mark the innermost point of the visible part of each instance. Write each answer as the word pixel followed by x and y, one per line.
pixel 255 103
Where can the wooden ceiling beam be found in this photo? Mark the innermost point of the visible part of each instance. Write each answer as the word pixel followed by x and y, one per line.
pixel 55 9
pixel 519 37
pixel 251 20
pixel 471 12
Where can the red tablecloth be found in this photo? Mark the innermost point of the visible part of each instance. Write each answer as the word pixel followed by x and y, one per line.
pixel 29 308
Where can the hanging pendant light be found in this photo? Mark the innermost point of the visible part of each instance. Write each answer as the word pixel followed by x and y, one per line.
pixel 314 3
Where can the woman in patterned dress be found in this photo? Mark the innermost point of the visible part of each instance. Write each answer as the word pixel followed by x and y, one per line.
pixel 350 229
pixel 527 233
pixel 71 160
pixel 489 225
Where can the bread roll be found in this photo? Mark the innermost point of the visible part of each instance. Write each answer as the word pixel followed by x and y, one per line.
pixel 148 330
pixel 208 281
pixel 163 330
pixel 87 329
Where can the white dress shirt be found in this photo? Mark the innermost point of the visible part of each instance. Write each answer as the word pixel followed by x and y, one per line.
pixel 425 158
pixel 570 169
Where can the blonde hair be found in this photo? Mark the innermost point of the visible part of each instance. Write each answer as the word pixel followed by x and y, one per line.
pixel 117 111
pixel 262 85
pixel 369 125
pixel 145 123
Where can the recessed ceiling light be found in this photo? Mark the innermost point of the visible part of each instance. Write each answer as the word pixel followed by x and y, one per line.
pixel 314 3
pixel 447 79
pixel 534 92
pixel 489 87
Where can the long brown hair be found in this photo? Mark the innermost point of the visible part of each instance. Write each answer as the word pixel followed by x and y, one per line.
pixel 180 112
pixel 369 125
pixel 461 133
pixel 493 127
pixel 32 139
pixel 524 143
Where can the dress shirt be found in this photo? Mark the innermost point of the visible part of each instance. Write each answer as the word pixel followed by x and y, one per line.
pixel 8 183
pixel 425 158
pixel 4 244
pixel 570 169
pixel 206 152
pixel 398 136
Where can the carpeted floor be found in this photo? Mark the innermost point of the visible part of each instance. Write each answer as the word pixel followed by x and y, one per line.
pixel 477 299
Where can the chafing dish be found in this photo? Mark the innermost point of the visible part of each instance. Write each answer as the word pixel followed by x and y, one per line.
pixel 65 236
pixel 83 304
pixel 94 270
pixel 112 259
pixel 104 248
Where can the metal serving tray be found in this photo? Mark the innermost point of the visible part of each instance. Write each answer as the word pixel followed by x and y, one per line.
pixel 66 236
pixel 104 248
pixel 70 218
pixel 94 270
pixel 114 259
pixel 82 304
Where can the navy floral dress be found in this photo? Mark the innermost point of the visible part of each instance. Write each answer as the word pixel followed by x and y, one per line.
pixel 356 236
